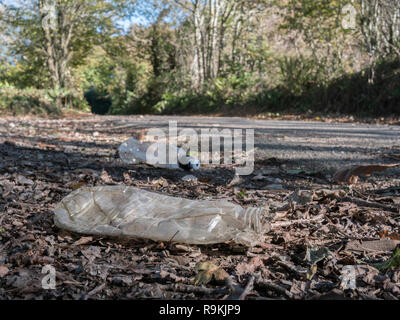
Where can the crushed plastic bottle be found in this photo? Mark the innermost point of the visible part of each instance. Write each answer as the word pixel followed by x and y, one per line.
pixel 132 212
pixel 133 151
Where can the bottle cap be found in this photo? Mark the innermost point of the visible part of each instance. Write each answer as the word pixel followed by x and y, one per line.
pixel 194 164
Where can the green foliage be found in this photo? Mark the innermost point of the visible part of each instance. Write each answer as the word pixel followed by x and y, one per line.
pixel 99 102
pixel 39 101
pixel 17 101
pixel 25 74
pixel 299 73
pixel 186 103
pixel 298 61
pixel 52 52
pixel 318 19
pixel 392 263
pixel 347 94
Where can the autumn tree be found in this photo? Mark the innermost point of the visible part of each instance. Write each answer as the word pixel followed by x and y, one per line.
pixel 59 34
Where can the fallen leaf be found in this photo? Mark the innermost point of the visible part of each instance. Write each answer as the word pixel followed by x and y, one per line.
pixel 46 146
pixel 141 135
pixel 203 277
pixel 249 267
pixel 75 186
pixel 316 254
pixel 162 182
pixel 237 180
pixel 350 174
pixel 28 237
pixel 392 236
pixel 105 177
pixel 311 273
pixel 205 266
pixel 301 197
pixel 65 139
pixel 165 274
pixel 83 240
pixel 220 275
pixel 3 271
pixel 207 272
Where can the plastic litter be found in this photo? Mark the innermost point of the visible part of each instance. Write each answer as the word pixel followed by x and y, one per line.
pixel 131 212
pixel 133 151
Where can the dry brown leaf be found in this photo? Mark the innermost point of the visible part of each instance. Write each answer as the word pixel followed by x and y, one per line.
pixel 65 139
pixel 3 271
pixel 207 271
pixel 249 267
pixel 105 177
pixel 162 182
pixel 83 240
pixel 392 236
pixel 46 146
pixel 166 274
pixel 350 174
pixel 220 275
pixel 140 135
pixel 75 186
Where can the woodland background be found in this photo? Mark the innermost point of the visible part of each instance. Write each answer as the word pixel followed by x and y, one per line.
pixel 200 57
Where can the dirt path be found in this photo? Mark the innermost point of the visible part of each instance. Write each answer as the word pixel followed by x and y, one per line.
pixel 41 161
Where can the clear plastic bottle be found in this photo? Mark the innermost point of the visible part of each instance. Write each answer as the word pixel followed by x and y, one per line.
pixel 133 151
pixel 132 212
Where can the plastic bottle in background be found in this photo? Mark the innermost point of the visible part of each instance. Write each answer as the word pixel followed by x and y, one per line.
pixel 133 212
pixel 133 151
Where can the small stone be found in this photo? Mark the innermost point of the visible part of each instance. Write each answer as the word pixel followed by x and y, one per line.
pixel 23 180
pixel 190 178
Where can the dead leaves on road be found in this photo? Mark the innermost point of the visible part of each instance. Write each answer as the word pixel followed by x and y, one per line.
pixel 350 174
pixel 318 230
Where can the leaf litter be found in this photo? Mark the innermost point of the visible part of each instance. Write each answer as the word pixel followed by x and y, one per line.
pixel 321 230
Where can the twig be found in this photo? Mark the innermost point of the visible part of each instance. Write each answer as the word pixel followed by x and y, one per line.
pixel 173 237
pixel 369 204
pixel 125 126
pixel 94 291
pixel 280 224
pixel 272 286
pixel 386 190
pixel 247 290
pixel 193 289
